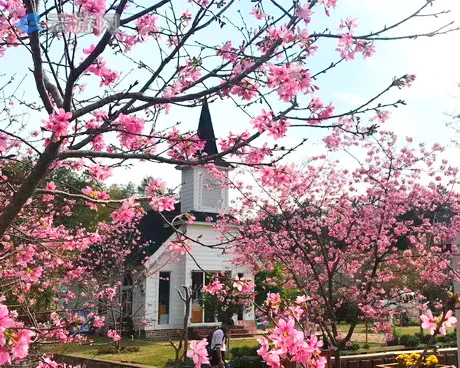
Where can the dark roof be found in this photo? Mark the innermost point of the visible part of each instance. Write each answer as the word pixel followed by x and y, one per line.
pixel 206 130
pixel 206 133
pixel 154 226
pixel 155 229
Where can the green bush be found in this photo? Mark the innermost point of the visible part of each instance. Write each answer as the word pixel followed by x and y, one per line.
pixel 366 346
pixel 452 336
pixel 393 342
pixel 442 339
pixel 350 347
pixel 423 338
pixel 409 340
pixel 244 351
pixel 247 362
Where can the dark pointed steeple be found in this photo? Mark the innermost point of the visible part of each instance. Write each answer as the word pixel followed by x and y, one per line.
pixel 206 130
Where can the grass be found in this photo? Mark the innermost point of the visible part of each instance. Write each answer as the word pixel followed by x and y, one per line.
pixel 154 354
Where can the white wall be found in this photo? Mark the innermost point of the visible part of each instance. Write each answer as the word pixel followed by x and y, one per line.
pixel 195 196
pixel 187 190
pixel 211 259
pixel 181 273
pixel 176 306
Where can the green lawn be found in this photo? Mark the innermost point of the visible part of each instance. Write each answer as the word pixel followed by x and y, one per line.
pixel 154 354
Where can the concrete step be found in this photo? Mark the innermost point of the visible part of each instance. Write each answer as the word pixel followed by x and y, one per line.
pixel 203 332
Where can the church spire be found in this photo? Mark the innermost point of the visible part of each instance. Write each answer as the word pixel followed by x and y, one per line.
pixel 206 131
pixel 200 191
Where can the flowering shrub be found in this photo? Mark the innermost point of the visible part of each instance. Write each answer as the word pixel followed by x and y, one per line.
pixel 229 295
pixel 286 343
pixel 293 338
pixel 49 363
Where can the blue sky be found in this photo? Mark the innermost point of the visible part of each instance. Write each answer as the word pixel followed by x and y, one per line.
pixel 434 61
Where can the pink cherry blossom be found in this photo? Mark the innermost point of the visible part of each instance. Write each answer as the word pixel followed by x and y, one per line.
pixel 198 353
pixel 161 204
pixel 301 299
pixel 126 212
pixel 100 172
pixel 112 334
pixel 3 142
pixel 146 26
pixel 92 6
pixel 257 13
pixel 4 356
pixel 58 123
pixel 49 186
pixel 5 320
pixel 214 287
pixel 155 187
pixel 20 349
pixel 305 13
pixel 448 322
pixel 429 322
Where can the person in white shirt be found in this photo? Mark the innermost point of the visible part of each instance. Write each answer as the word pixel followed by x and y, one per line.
pixel 219 342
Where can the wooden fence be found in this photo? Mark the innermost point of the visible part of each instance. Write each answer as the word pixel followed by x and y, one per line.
pixel 446 356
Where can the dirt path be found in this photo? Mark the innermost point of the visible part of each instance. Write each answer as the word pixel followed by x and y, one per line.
pixel 371 338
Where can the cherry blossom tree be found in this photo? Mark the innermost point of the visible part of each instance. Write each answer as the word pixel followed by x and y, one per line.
pixel 227 296
pixel 345 235
pixel 89 113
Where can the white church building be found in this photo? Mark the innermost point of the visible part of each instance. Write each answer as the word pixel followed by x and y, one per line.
pixel 160 303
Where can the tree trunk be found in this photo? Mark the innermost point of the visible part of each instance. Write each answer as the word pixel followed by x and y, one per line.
pixel 367 332
pixel 186 319
pixel 337 361
pixel 421 329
